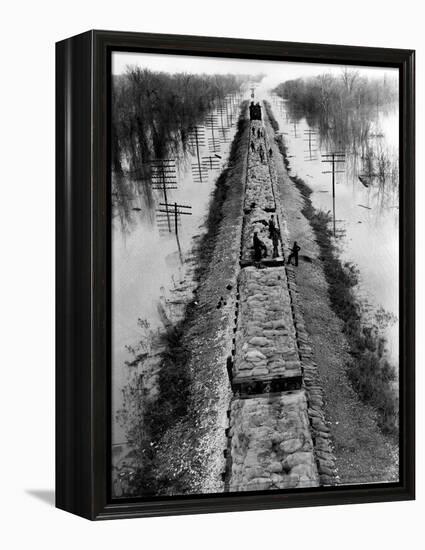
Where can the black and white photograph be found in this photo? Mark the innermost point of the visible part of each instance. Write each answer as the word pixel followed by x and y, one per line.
pixel 210 315
pixel 254 275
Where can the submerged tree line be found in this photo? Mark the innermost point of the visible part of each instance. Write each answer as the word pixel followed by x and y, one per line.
pixel 331 99
pixel 153 114
pixel 345 109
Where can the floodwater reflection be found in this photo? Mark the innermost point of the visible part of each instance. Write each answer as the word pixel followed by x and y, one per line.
pixel 366 196
pixel 154 233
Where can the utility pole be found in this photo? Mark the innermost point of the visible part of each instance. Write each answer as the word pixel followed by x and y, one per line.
pixel 226 107
pixel 231 117
pixel 173 210
pixel 164 178
pixel 310 140
pixel 334 158
pixel 221 111
pixel 212 162
pixel 197 140
pixel 212 124
pixel 197 145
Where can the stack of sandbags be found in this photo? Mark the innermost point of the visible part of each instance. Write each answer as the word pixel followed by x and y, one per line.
pixel 271 445
pixel 265 342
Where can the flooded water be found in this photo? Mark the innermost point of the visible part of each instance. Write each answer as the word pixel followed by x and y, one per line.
pixel 152 267
pixel 366 214
pixel 152 278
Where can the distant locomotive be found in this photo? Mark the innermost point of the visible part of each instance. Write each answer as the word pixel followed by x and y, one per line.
pixel 255 111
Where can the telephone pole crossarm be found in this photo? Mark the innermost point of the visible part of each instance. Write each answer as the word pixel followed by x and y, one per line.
pixel 334 158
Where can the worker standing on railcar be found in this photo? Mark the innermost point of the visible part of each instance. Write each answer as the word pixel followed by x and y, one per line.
pixel 260 249
pixel 276 238
pixel 272 226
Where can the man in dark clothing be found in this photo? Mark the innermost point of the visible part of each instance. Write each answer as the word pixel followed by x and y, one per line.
pixel 258 133
pixel 261 153
pixel 260 249
pixel 258 111
pixel 272 226
pixel 294 253
pixel 252 147
pixel 275 240
pixel 270 152
pixel 253 131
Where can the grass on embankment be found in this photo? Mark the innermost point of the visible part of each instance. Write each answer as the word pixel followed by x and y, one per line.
pixel 215 215
pixel 369 371
pixel 173 456
pixel 275 125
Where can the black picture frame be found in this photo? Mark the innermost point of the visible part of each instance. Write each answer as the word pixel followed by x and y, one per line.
pixel 83 292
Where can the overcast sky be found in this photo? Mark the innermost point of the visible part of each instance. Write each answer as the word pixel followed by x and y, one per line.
pixel 276 71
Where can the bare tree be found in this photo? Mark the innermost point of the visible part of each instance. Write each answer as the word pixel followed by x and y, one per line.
pixel 349 77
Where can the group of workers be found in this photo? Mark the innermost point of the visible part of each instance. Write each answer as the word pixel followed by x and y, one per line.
pixel 261 149
pixel 260 249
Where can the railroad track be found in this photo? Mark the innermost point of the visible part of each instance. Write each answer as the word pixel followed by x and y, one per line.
pixel 277 436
